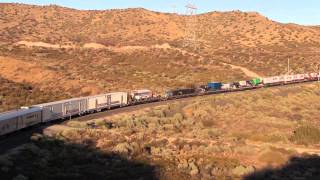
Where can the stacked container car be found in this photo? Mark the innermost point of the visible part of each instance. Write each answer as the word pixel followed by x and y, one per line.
pixel 243 83
pixel 214 86
pixel 227 86
pixel 256 81
pixel 15 120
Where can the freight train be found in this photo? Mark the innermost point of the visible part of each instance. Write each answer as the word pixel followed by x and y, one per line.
pixel 42 113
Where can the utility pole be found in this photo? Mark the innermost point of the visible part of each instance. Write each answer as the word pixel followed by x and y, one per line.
pixel 318 74
pixel 316 68
pixel 288 66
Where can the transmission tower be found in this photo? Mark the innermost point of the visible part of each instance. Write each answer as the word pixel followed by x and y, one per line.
pixel 191 27
pixel 174 8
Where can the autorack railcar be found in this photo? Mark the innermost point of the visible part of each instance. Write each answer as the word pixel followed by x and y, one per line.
pixel 63 109
pixel 106 101
pixel 18 119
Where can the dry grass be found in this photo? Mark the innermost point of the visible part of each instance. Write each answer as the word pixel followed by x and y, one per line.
pixel 218 136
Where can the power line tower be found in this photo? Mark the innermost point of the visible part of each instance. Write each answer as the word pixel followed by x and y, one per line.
pixel 174 8
pixel 191 27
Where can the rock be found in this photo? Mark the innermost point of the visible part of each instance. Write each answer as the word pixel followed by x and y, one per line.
pixel 242 170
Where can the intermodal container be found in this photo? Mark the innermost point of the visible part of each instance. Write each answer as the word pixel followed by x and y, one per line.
pixel 256 81
pixel 215 85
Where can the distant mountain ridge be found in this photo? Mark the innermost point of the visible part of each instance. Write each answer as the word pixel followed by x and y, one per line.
pixel 137 26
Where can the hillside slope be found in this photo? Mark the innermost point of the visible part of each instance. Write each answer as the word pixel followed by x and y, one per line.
pixel 89 52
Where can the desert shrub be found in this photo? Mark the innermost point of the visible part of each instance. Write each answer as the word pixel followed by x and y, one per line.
pixel 101 123
pixel 295 117
pixel 68 133
pixel 5 161
pixel 208 123
pixel 306 134
pixel 173 109
pixel 20 177
pixel 123 148
pixel 76 124
pixel 156 113
pixel 178 117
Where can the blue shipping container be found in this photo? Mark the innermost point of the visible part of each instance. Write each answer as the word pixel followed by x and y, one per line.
pixel 215 85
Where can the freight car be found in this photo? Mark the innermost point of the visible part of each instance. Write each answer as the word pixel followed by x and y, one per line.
pixel 106 101
pixel 227 86
pixel 256 81
pixel 78 106
pixel 62 109
pixel 178 93
pixel 140 95
pixel 214 86
pixel 15 120
pixel 285 79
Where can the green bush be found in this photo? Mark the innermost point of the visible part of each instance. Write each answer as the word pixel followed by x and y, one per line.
pixel 306 135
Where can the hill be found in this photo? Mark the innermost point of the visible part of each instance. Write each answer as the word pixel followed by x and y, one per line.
pixel 86 52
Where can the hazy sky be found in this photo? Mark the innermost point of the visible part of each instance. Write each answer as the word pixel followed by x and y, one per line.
pixel 297 11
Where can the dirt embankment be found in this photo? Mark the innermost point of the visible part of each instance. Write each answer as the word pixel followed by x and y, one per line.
pixel 246 71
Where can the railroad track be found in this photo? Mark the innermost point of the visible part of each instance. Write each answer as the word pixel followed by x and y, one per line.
pixel 13 140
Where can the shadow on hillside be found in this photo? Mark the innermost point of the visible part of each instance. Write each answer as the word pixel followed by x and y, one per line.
pixel 297 168
pixel 53 159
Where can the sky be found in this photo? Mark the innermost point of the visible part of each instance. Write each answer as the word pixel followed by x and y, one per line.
pixel 306 12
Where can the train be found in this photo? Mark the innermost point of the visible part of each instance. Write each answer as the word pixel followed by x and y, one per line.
pixel 25 117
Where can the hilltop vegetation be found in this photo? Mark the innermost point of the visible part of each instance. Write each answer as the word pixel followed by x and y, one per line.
pixel 220 136
pixel 90 52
